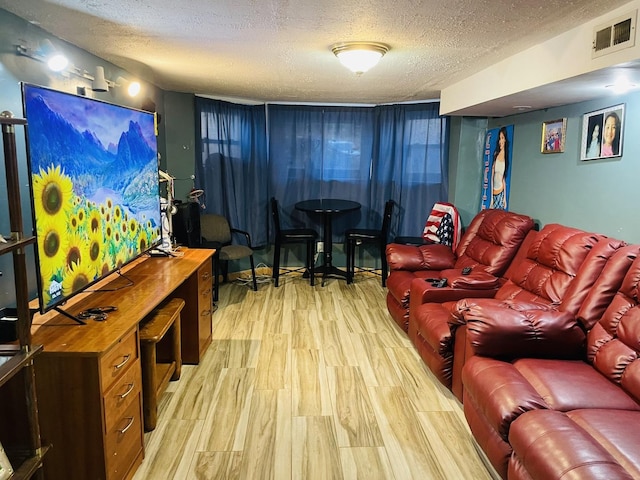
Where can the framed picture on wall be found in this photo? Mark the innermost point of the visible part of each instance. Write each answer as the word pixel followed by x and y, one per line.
pixel 602 133
pixel 553 133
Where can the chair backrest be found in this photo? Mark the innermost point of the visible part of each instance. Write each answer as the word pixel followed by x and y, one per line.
pixel 215 228
pixel 275 214
pixel 386 220
pixel 492 240
pixel 432 229
pixel 561 266
pixel 613 342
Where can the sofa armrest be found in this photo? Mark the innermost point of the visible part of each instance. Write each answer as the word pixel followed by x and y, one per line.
pixel 423 291
pixel 423 257
pixel 506 330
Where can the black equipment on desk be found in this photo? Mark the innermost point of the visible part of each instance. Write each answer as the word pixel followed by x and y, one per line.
pixel 186 224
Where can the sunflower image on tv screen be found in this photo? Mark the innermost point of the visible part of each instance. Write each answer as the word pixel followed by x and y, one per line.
pixel 94 180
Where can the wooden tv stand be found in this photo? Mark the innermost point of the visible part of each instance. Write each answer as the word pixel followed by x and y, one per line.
pixel 88 377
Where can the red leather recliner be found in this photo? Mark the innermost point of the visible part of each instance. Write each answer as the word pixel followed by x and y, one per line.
pixel 544 399
pixel 559 266
pixel 488 245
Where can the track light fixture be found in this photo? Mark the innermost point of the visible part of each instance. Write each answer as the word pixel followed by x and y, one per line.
pixel 45 52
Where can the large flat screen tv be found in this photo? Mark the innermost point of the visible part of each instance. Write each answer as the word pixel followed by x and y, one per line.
pixel 93 168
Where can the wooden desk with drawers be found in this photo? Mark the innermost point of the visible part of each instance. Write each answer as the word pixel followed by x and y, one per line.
pixel 88 376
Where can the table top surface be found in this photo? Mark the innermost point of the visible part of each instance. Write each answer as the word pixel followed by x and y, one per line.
pixel 327 205
pixel 154 280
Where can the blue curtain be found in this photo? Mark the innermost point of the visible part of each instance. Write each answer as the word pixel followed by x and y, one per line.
pixel 366 154
pixel 410 163
pixel 232 166
pixel 320 152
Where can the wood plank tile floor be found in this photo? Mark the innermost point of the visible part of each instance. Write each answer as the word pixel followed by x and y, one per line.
pixel 309 383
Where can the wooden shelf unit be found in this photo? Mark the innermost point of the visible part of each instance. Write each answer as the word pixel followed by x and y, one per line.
pixel 19 423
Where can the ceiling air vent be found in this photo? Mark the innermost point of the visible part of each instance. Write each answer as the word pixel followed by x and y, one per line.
pixel 614 35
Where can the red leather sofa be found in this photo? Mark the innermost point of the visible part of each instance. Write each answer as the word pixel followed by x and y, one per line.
pixel 555 394
pixel 488 246
pixel 555 268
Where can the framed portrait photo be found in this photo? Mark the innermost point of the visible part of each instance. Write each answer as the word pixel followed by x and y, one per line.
pixel 602 133
pixel 553 133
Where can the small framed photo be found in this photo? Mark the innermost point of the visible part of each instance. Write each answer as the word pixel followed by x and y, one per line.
pixel 602 133
pixel 553 133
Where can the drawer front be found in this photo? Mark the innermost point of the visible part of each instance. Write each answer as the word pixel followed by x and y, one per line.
pixel 117 360
pixel 124 390
pixel 124 441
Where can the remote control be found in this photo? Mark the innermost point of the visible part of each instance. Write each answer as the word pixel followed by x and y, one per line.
pixel 441 284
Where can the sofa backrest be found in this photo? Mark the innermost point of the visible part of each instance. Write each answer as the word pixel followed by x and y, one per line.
pixel 613 343
pixel 561 265
pixel 492 239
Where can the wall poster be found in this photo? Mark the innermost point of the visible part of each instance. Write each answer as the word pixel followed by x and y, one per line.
pixel 496 163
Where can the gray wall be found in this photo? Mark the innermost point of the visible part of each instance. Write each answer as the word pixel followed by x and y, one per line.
pixel 179 124
pixel 597 195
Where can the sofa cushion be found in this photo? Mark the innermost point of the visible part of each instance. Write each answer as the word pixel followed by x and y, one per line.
pixel 491 240
pixel 552 445
pixel 425 257
pixel 568 385
pixel 507 329
pixel 611 429
pixel 553 261
pixel 499 393
pixel 616 284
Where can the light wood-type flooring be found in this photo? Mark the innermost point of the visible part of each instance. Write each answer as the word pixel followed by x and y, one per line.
pixel 309 383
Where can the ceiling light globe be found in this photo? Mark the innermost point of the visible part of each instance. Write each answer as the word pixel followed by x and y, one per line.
pixel 359 61
pixel 359 57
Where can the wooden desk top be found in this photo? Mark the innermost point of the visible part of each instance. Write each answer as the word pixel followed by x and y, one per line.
pixel 154 280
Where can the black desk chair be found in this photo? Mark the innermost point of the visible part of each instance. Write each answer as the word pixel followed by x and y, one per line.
pixel 216 233
pixel 292 236
pixel 355 237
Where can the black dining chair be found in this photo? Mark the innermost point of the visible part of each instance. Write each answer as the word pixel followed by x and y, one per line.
pixel 291 236
pixel 217 233
pixel 357 236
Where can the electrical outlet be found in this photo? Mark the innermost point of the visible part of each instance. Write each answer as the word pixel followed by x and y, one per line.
pixel 320 247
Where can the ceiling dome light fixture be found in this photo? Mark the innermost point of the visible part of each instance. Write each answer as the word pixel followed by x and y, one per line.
pixel 359 56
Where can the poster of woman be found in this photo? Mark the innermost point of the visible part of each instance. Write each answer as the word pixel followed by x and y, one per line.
pixel 497 168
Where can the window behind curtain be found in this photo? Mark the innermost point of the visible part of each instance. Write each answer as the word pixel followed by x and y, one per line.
pixel 232 165
pixel 320 152
pixel 420 165
pixel 366 154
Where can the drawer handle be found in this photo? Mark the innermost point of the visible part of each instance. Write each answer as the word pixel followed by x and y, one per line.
pixel 124 430
pixel 205 313
pixel 131 387
pixel 123 363
pixel 206 275
pixel 206 292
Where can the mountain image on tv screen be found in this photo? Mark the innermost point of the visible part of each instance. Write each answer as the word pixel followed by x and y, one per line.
pixel 94 177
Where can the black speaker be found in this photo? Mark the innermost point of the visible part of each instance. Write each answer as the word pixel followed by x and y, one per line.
pixel 186 224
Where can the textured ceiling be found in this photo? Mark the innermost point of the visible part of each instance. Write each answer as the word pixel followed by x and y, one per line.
pixel 279 50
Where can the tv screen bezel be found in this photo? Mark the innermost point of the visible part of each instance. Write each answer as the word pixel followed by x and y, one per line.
pixel 43 308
